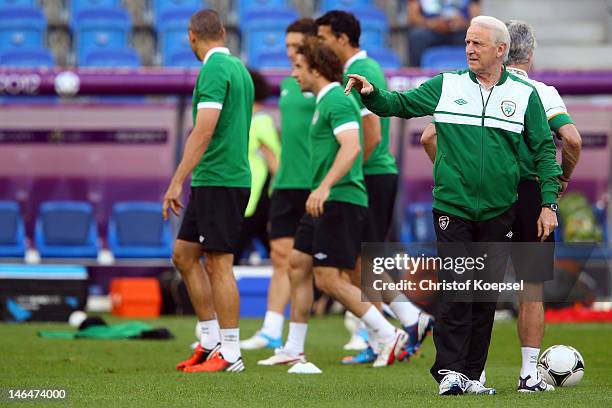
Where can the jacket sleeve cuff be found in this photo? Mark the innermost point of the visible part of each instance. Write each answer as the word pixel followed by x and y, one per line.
pixel 371 95
pixel 549 197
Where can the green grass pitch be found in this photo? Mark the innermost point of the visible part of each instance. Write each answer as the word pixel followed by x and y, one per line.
pixel 141 373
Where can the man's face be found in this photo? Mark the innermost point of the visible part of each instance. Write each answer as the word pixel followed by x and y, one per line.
pixel 480 49
pixel 327 37
pixel 292 42
pixel 302 73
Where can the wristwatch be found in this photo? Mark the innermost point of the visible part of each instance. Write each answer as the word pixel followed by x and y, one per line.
pixel 553 207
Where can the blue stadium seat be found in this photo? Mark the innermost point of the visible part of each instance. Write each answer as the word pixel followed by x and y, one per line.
pixel 183 59
pixel 270 59
pixel 27 57
pixel 264 31
pixel 124 58
pixel 101 29
pixel 137 230
pixel 386 57
pixel 7 4
pixel 172 34
pixel 348 5
pixel 22 28
pixel 418 222
pixel 66 229
pixel 444 57
pixel 12 231
pixel 374 27
pixel 76 6
pixel 160 7
pixel 247 6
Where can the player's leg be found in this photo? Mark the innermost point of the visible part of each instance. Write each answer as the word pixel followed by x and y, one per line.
pixel 533 263
pixel 219 223
pixel 186 259
pixel 286 210
pixel 382 190
pixel 336 247
pixel 301 283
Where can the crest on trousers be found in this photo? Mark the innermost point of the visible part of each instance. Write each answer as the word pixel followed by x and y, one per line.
pixel 508 108
pixel 443 222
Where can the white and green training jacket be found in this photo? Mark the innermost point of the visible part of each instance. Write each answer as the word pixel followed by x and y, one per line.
pixel 476 171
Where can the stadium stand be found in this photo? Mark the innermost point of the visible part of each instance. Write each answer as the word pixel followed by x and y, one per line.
pixel 327 5
pixel 136 230
pixel 22 28
pixel 444 57
pixel 172 35
pixel 119 58
pixel 263 30
pixel 12 231
pixel 76 6
pixel 27 57
pixel 66 229
pixel 97 29
pixel 161 7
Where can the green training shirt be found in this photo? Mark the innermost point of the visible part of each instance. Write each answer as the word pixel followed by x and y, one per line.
pixel 296 109
pixel 381 161
pixel 224 84
pixel 334 114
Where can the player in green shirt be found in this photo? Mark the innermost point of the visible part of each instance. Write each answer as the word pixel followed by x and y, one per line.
pixel 291 189
pixel 216 156
pixel 328 239
pixel 340 31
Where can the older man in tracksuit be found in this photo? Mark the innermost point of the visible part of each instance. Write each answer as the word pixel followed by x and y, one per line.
pixel 481 115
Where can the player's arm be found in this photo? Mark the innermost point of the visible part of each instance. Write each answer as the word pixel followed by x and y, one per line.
pixel 561 123
pixel 345 157
pixel 371 133
pixel 421 101
pixel 195 147
pixel 539 141
pixel 570 153
pixel 269 147
pixel 428 140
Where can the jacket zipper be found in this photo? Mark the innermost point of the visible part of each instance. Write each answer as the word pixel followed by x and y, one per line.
pixel 482 131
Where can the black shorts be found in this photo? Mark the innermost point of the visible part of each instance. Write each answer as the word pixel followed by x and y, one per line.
pixel 334 239
pixel 382 189
pixel 214 217
pixel 532 263
pixel 287 206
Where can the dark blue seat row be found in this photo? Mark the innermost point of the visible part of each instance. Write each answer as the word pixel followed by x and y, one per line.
pixel 68 229
pixel 102 30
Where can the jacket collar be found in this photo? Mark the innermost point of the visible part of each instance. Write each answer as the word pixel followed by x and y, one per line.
pixel 502 78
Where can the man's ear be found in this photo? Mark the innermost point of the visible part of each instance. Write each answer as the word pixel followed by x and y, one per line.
pixel 344 40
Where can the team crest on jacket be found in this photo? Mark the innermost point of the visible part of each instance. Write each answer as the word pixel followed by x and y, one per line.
pixel 315 117
pixel 508 108
pixel 443 222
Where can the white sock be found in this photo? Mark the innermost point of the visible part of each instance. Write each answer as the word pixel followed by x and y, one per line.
pixel 209 333
pixel 296 338
pixel 383 331
pixel 273 324
pixel 230 344
pixel 405 310
pixel 530 362
pixel 372 340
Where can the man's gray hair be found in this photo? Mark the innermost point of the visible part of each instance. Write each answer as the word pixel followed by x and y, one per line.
pixel 523 42
pixel 499 29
